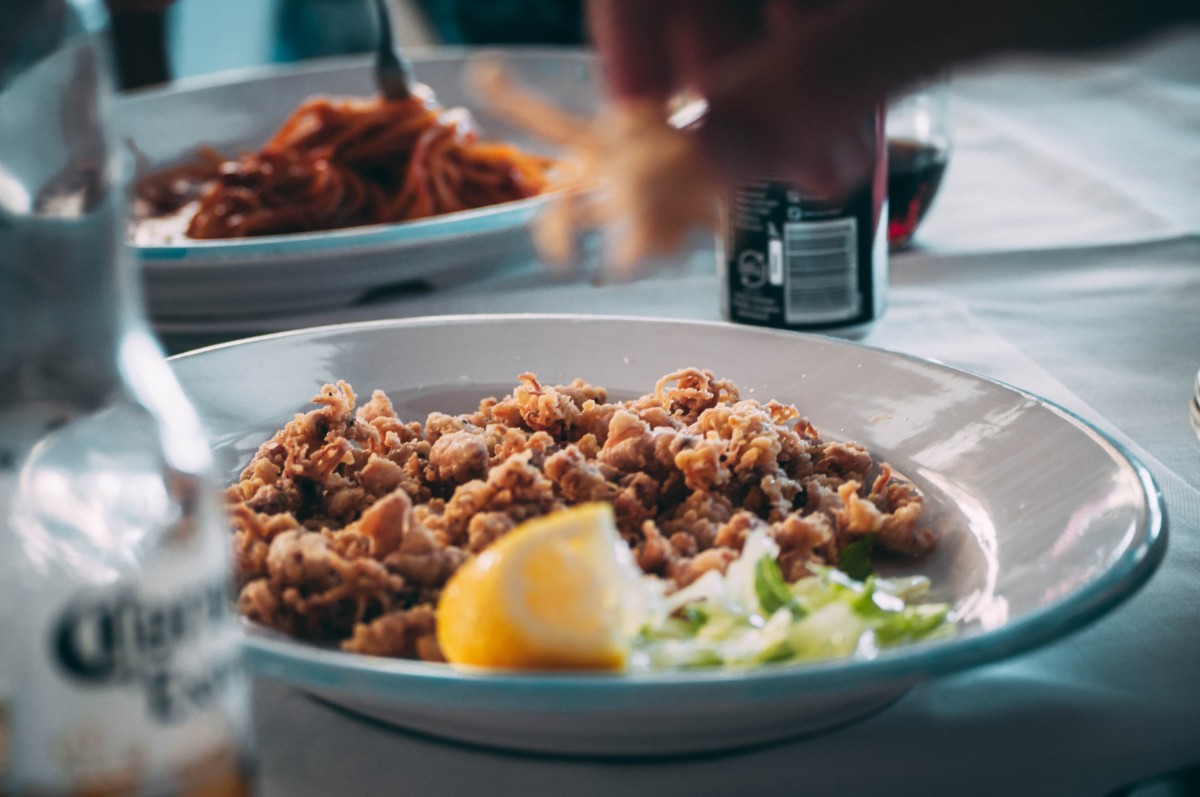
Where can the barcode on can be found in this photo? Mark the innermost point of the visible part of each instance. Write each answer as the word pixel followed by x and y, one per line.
pixel 822 271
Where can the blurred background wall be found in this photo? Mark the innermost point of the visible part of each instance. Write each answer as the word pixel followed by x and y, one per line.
pixel 214 35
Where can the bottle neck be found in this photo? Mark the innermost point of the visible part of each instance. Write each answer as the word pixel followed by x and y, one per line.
pixel 67 292
pixel 64 306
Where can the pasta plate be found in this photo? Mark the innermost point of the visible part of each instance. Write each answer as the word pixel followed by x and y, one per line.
pixel 275 274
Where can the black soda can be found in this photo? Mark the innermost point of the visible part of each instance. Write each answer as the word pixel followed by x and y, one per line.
pixel 791 260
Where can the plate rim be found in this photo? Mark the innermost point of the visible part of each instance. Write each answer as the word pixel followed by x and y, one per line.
pixel 363 239
pixel 304 664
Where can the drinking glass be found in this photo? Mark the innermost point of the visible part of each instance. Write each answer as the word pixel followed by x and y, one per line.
pixel 918 139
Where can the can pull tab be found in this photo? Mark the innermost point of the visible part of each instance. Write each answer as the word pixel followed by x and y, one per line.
pixel 774 255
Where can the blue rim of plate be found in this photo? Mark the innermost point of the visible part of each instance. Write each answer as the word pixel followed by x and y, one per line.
pixel 274 655
pixel 493 218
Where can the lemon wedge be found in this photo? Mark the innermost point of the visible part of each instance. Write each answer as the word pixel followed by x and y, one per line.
pixel 553 593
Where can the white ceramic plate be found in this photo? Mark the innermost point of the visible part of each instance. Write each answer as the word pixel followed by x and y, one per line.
pixel 286 273
pixel 1045 523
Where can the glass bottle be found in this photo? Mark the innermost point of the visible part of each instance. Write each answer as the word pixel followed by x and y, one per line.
pixel 791 260
pixel 120 670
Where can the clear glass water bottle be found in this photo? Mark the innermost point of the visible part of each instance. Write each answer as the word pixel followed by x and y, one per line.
pixel 120 670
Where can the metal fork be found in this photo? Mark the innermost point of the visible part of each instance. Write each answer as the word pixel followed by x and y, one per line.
pixel 393 72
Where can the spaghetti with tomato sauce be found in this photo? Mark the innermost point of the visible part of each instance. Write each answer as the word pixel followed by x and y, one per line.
pixel 343 163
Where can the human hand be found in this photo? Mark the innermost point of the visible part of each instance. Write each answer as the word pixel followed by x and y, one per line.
pixel 781 102
pixel 791 84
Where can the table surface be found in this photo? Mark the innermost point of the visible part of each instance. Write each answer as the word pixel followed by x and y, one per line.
pixel 1063 257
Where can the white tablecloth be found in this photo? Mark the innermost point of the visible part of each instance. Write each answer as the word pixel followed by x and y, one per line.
pixel 1063 257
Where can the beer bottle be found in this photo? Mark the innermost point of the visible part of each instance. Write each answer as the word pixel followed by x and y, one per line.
pixel 119 659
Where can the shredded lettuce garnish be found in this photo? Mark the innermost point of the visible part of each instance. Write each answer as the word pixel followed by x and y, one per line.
pixel 751 616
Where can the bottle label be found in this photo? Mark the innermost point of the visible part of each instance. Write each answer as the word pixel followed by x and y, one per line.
pixel 820 274
pixel 121 676
pixel 793 261
pixel 147 644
